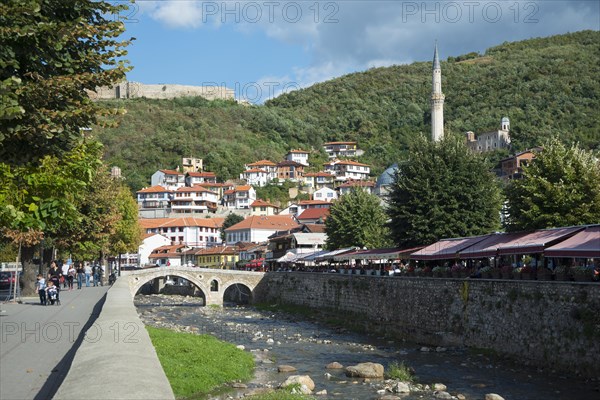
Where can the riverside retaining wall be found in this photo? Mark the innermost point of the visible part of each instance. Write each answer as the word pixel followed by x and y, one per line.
pixel 549 324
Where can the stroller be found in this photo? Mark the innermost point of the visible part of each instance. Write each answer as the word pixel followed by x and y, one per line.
pixel 112 278
pixel 52 295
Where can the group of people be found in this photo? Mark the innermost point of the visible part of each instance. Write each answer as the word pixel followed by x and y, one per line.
pixel 49 288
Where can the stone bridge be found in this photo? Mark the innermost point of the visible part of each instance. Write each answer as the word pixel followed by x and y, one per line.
pixel 213 283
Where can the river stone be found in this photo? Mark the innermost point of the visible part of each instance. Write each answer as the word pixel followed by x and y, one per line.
pixel 493 396
pixel 390 397
pixel 321 393
pixel 241 347
pixel 401 387
pixel 442 395
pixel 365 370
pixel 286 368
pixel 238 385
pixel 301 379
pixel 461 396
pixel 439 387
pixel 334 365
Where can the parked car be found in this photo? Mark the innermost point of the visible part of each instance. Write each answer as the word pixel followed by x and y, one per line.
pixel 6 278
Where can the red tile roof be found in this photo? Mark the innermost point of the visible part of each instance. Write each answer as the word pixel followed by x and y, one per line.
pixel 255 170
pixel 243 188
pixel 216 250
pixel 262 163
pixel 195 188
pixel 313 202
pixel 298 151
pixel 314 213
pixel 230 191
pixel 262 203
pixel 171 172
pixel 149 223
pixel 320 174
pixel 202 174
pixel 154 189
pixel 272 222
pixel 357 183
pixel 325 144
pixel 346 162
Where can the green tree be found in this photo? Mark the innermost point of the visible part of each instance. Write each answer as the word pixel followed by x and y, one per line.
pixel 442 190
pixel 230 220
pixel 53 54
pixel 560 187
pixel 127 234
pixel 357 219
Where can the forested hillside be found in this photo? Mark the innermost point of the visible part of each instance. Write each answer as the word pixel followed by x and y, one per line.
pixel 546 86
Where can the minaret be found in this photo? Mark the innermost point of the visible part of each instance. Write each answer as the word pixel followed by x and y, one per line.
pixel 437 100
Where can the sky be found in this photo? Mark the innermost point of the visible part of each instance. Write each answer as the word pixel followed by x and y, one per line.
pixel 264 48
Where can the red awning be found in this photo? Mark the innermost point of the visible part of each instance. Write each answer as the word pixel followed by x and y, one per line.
pixel 488 247
pixel 538 241
pixel 584 244
pixel 446 248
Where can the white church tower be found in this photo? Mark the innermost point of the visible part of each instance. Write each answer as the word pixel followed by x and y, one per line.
pixel 437 100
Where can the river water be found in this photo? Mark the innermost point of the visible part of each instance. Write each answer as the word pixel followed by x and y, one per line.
pixel 277 338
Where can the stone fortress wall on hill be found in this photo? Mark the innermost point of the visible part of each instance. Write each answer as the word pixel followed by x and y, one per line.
pixel 134 90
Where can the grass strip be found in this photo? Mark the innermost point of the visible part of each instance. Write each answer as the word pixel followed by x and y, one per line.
pixel 197 364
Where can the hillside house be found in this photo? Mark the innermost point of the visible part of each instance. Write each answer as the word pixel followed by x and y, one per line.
pixel 239 198
pixel 255 177
pixel 512 167
pixel 257 229
pixel 346 169
pixel 299 156
pixel 191 232
pixel 268 166
pixel 195 199
pixel 190 164
pixel 150 242
pixel 489 141
pixel 313 216
pixel 168 178
pixel 318 180
pixel 195 178
pixel 155 197
pixel 325 194
pixel 218 188
pixel 261 207
pixel 289 170
pixel 342 149
pixel 347 186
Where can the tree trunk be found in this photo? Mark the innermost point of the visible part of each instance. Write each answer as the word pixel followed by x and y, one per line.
pixel 30 271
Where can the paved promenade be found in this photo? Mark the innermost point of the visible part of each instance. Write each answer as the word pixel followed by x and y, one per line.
pixel 38 343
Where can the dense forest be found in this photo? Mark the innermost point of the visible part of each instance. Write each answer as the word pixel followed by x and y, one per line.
pixel 546 86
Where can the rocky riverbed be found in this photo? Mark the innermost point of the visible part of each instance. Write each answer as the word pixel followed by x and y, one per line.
pixel 284 345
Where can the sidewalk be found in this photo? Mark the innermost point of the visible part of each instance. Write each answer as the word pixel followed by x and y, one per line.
pixel 37 343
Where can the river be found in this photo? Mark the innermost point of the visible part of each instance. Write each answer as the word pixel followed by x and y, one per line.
pixel 276 338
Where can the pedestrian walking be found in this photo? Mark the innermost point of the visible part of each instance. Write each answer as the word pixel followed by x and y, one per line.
pixel 95 274
pixel 65 273
pixel 40 288
pixel 80 275
pixel 88 274
pixel 71 273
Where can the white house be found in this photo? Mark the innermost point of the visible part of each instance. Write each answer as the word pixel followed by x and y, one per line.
pixel 325 194
pixel 168 178
pixel 299 156
pixel 195 199
pixel 255 177
pixel 257 229
pixel 156 197
pixel 151 242
pixel 268 166
pixel 342 149
pixel 191 232
pixel 239 198
pixel 347 186
pixel 261 207
pixel 167 256
pixel 195 178
pixel 489 141
pixel 318 180
pixel 346 169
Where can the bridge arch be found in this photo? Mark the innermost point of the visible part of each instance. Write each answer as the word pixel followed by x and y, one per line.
pixel 200 277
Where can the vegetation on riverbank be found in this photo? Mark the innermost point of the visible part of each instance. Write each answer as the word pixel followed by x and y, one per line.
pixel 281 395
pixel 197 364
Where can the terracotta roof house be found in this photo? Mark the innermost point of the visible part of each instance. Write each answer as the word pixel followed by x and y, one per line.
pixel 192 232
pixel 313 216
pixel 261 207
pixel 257 229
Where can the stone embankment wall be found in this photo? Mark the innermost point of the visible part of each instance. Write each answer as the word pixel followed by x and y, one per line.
pixel 134 90
pixel 549 324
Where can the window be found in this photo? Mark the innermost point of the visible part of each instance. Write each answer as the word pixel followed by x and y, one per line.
pixel 263 209
pixel 181 238
pixel 181 229
pixel 200 238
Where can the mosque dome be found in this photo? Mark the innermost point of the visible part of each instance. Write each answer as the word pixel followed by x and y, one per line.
pixel 387 177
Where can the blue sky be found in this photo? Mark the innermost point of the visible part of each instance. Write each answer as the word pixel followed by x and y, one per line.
pixel 261 48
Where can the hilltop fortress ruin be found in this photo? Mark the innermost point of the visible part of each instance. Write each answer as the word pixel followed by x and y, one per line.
pixel 133 90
